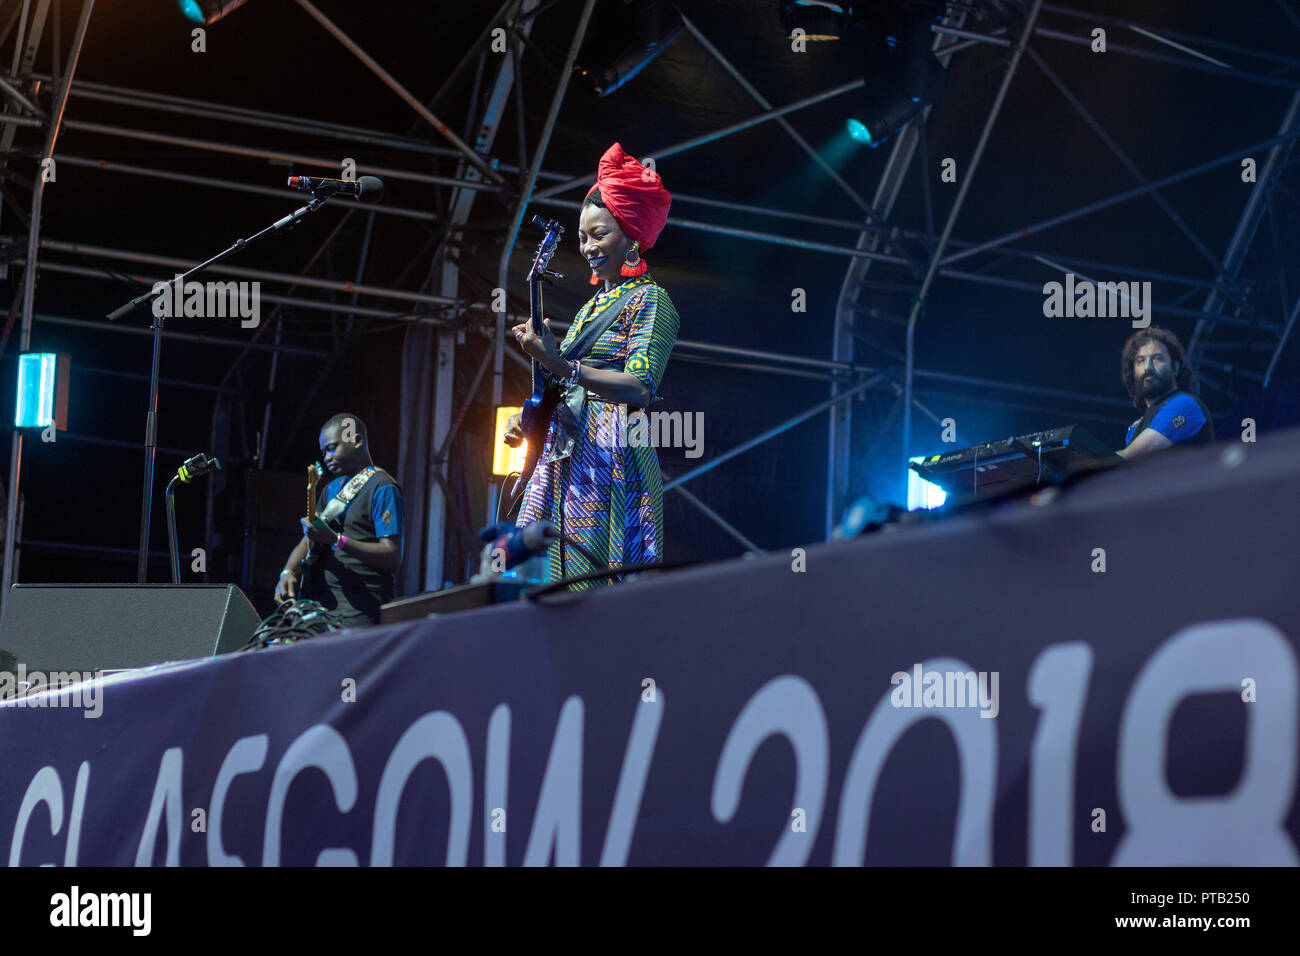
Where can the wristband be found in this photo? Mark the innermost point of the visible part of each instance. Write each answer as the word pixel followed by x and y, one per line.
pixel 574 372
pixel 288 571
pixel 339 542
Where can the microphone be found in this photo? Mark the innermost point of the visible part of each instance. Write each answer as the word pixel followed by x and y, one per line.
pixel 365 189
pixel 196 467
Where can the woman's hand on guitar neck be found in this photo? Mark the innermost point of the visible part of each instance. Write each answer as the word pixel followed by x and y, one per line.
pixel 541 347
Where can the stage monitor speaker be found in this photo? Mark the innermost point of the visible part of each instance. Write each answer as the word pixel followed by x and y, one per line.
pixel 93 627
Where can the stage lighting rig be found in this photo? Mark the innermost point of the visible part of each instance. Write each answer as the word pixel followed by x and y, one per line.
pixel 204 12
pixel 652 25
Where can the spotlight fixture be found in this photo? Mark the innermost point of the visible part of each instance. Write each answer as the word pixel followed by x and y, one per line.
pixel 652 25
pixel 902 75
pixel 819 19
pixel 204 12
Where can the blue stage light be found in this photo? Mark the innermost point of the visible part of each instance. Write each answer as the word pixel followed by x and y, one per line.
pixel 922 493
pixel 42 390
pixel 858 130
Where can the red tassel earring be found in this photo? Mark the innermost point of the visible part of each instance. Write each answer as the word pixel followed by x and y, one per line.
pixel 595 279
pixel 633 264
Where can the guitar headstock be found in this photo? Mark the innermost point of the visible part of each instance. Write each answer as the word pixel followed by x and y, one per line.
pixel 314 473
pixel 546 248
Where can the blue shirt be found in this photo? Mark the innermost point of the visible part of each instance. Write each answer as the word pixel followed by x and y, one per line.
pixel 1179 419
pixel 387 509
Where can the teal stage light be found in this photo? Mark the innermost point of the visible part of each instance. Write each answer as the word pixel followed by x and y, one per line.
pixel 42 390
pixel 205 12
pixel 859 131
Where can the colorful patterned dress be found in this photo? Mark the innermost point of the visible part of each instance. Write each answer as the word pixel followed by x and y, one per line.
pixel 607 493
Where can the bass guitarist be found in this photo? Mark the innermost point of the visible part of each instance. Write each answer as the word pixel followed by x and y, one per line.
pixel 348 559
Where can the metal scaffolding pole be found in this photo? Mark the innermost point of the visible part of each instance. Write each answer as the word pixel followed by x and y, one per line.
pixel 178 104
pixel 170 382
pixel 172 262
pixel 870 230
pixel 937 255
pixel 762 101
pixel 391 82
pixel 315 305
pixel 757 367
pixel 775 430
pixel 1248 223
pixel 1123 157
pixel 29 288
pixel 1019 387
pixel 487 122
pixel 738 233
pixel 438 180
pixel 282 192
pixel 275 156
pixel 840 420
pixel 716 518
pixel 1116 199
pixel 526 195
pixel 205 340
pixel 684 145
pixel 1286 334
pixel 1086 41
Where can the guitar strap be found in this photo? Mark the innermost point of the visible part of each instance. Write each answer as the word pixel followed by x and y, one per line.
pixel 574 397
pixel 334 509
pixel 599 323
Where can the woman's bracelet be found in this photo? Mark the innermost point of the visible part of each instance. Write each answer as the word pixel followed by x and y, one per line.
pixel 574 371
pixel 288 571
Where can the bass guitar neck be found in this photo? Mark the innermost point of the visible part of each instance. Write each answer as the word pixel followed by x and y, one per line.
pixel 314 475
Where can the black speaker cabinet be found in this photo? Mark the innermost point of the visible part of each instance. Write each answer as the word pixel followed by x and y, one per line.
pixel 91 627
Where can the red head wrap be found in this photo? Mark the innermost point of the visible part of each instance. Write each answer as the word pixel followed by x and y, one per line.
pixel 633 194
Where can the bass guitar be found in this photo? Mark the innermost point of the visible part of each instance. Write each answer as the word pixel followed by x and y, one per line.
pixel 314 474
pixel 536 413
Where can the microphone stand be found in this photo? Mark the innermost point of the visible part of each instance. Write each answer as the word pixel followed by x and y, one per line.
pixel 172 543
pixel 151 418
pixel 192 468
